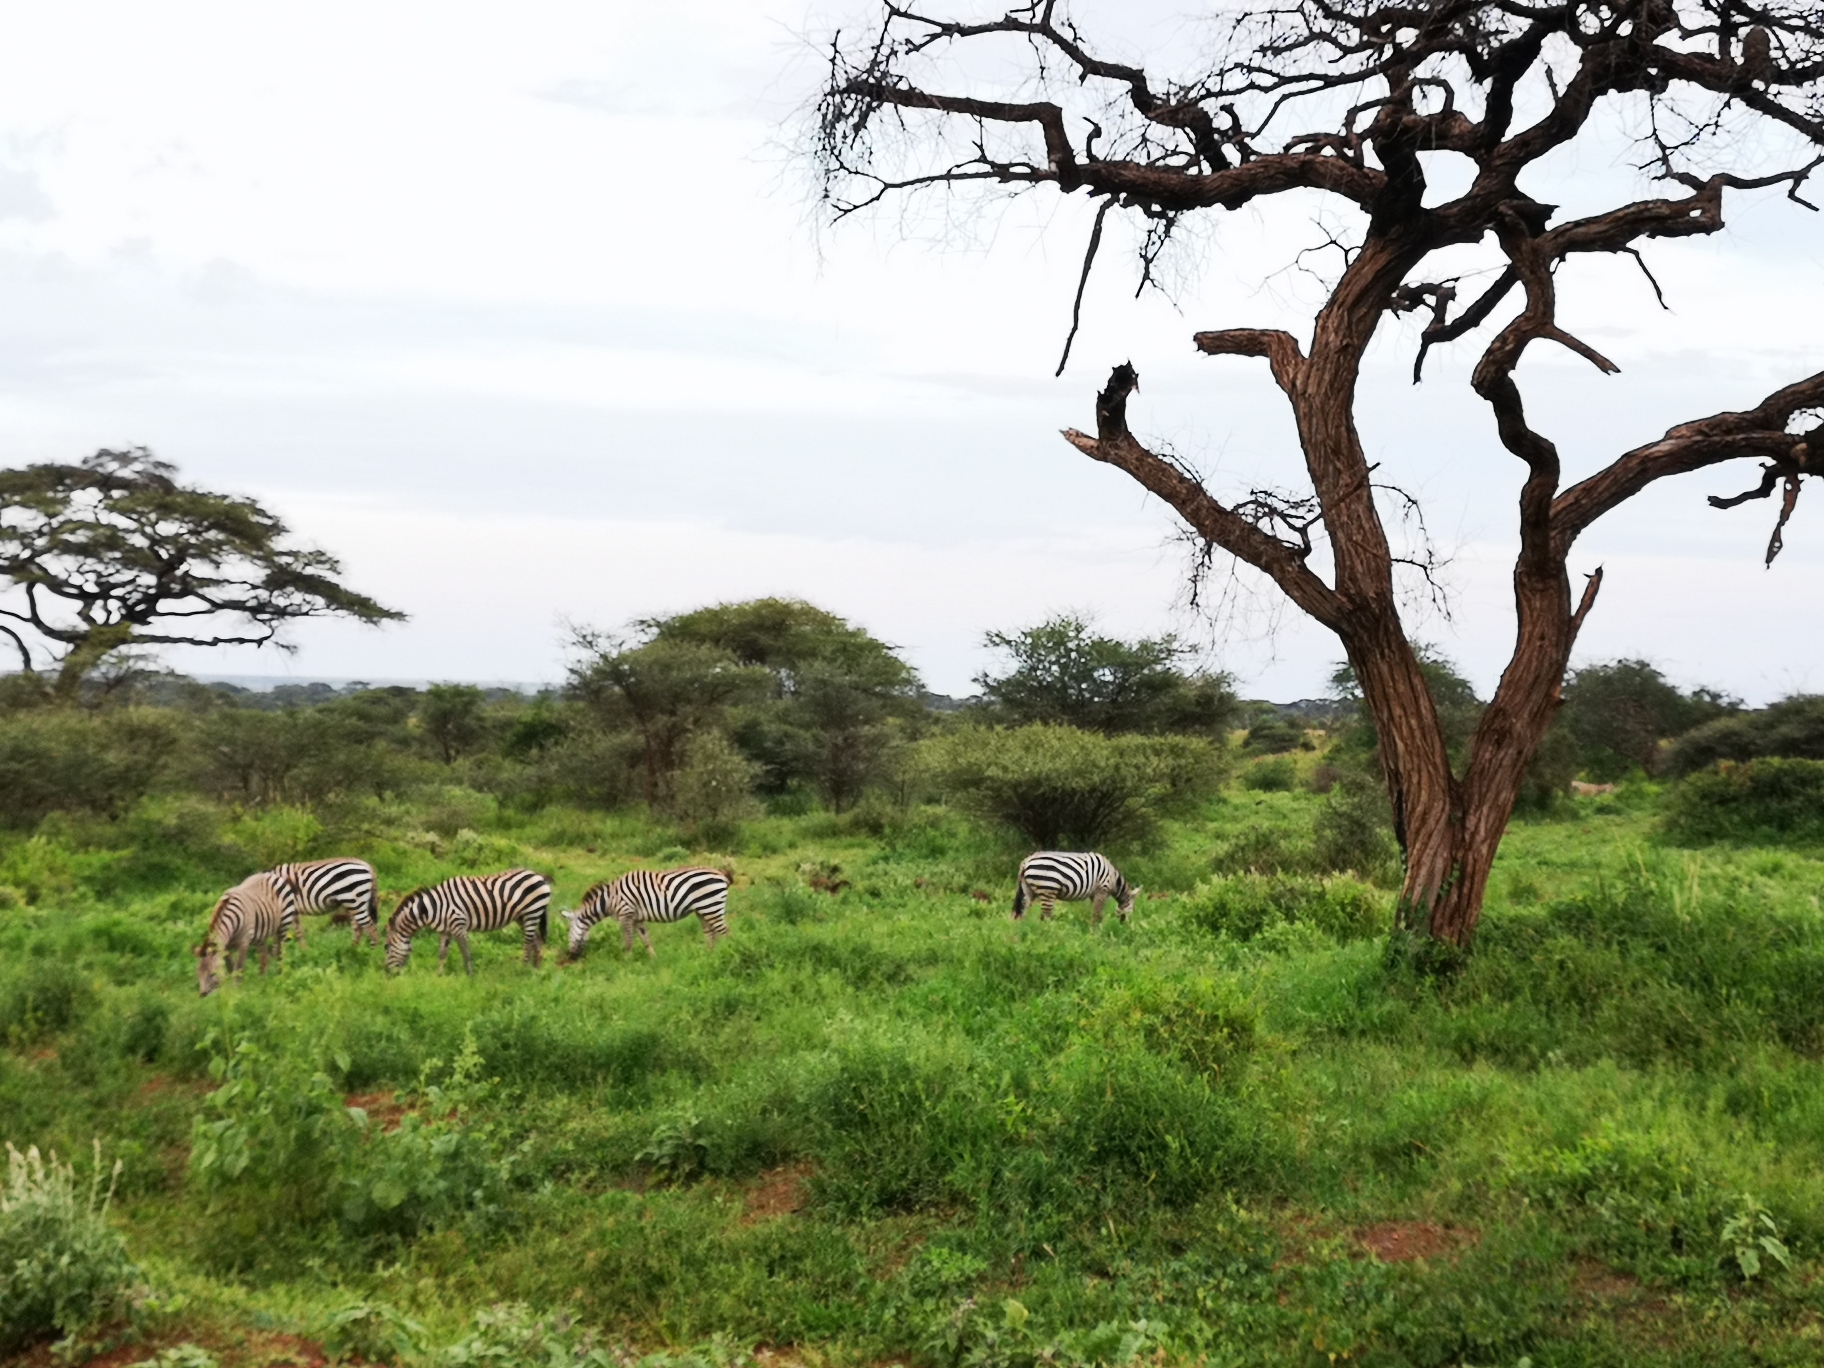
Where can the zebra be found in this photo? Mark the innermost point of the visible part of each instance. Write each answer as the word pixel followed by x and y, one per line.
pixel 324 885
pixel 458 906
pixel 646 895
pixel 1053 876
pixel 255 911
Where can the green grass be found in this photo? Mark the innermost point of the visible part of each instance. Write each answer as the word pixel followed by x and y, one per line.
pixel 890 1123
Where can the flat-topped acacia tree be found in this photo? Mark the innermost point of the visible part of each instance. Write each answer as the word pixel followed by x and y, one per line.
pixel 1360 101
pixel 112 553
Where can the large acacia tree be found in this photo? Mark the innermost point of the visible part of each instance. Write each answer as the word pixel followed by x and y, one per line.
pixel 1362 103
pixel 113 553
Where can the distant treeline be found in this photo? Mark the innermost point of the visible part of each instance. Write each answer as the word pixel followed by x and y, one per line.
pixel 706 715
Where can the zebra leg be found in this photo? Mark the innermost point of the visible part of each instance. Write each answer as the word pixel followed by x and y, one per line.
pixel 647 941
pixel 443 951
pixel 1046 906
pixel 1095 909
pixel 626 934
pixel 533 948
pixel 468 965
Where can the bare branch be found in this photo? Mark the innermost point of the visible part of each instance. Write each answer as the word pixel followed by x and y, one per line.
pixel 1221 526
pixel 1279 348
pixel 1076 306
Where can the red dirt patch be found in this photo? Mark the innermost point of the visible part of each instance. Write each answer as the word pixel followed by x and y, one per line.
pixel 1403 1241
pixel 382 1108
pixel 779 1192
pixel 1599 1282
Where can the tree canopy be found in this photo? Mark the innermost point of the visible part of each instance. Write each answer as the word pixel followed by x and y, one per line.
pixel 807 696
pixel 113 553
pixel 1063 672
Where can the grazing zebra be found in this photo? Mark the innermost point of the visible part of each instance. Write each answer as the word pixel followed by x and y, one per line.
pixel 458 906
pixel 646 895
pixel 324 885
pixel 1054 876
pixel 254 912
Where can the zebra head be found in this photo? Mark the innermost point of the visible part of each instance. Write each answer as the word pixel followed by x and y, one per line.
pixel 208 968
pixel 399 928
pixel 1124 898
pixel 578 937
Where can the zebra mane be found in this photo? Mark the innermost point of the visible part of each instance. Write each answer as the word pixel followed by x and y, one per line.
pixel 399 906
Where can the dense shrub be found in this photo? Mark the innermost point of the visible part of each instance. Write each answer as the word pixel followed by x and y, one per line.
pixel 1354 829
pixel 1273 735
pixel 1247 905
pixel 1060 787
pixel 1614 716
pixel 60 760
pixel 1792 729
pixel 714 792
pixel 1760 800
pixel 62 1266
pixel 1277 775
pixel 41 997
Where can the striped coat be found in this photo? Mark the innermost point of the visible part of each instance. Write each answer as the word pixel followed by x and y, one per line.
pixel 1054 876
pixel 458 906
pixel 645 895
pixel 254 912
pixel 326 885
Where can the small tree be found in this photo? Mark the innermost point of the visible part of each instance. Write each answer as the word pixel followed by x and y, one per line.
pixel 1360 104
pixel 665 692
pixel 1064 673
pixel 837 690
pixel 451 717
pixel 1620 712
pixel 113 553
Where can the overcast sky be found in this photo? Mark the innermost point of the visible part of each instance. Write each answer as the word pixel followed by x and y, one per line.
pixel 521 311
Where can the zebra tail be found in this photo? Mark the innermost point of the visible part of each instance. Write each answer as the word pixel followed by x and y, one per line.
pixel 1019 898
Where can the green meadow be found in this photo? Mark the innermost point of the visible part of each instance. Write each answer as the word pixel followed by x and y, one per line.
pixel 882 1122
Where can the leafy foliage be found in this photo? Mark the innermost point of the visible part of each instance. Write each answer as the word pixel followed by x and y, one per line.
pixel 1618 714
pixel 1792 729
pixel 1246 906
pixel 113 553
pixel 63 1268
pixel 1768 800
pixel 1060 787
pixel 1063 674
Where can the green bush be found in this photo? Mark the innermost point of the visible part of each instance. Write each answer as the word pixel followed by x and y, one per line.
pixel 1640 1201
pixel 57 760
pixel 1354 829
pixel 1274 735
pixel 1061 787
pixel 1792 729
pixel 714 792
pixel 1276 775
pixel 1761 800
pixel 63 1268
pixel 40 998
pixel 281 1158
pixel 1249 905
